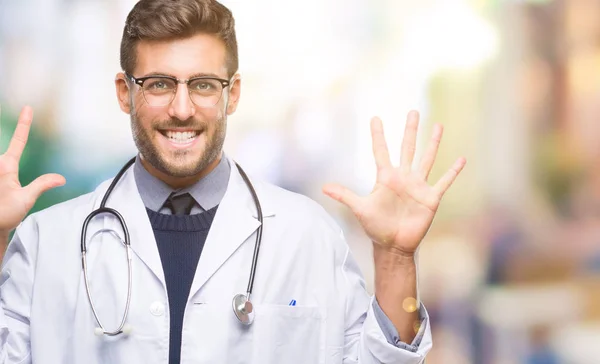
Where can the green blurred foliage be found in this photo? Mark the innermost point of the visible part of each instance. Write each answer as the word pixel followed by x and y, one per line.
pixel 556 169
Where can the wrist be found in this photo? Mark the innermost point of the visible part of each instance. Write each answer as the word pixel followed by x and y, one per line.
pixel 390 256
pixel 4 234
pixel 395 273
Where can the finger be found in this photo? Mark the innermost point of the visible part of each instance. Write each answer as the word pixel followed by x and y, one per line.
pixel 380 148
pixel 431 152
pixel 43 184
pixel 19 138
pixel 448 178
pixel 343 195
pixel 409 142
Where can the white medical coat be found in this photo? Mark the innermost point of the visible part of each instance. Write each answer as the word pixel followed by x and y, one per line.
pixel 45 316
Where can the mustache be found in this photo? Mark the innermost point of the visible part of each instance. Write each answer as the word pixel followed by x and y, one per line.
pixel 173 123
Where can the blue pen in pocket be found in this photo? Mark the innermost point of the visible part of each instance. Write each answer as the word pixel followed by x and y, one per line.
pixel 292 303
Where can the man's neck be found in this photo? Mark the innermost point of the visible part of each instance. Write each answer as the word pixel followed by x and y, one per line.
pixel 180 182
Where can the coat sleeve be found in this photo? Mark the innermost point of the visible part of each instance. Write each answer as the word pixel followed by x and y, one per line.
pixel 365 341
pixel 16 287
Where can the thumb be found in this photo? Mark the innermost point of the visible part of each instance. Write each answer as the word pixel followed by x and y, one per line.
pixel 343 195
pixel 43 184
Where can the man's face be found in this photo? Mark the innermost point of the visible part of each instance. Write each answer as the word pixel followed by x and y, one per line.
pixel 181 139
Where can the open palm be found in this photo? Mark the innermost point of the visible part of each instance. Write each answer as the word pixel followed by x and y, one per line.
pixel 402 205
pixel 15 200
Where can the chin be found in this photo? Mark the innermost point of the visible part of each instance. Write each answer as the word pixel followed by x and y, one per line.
pixel 188 168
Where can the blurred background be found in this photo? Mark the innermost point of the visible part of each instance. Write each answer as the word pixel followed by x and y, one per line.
pixel 510 271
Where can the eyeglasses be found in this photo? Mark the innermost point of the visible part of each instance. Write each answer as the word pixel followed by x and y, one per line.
pixel 160 90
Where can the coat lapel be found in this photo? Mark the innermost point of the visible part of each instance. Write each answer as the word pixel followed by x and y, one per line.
pixel 126 199
pixel 234 222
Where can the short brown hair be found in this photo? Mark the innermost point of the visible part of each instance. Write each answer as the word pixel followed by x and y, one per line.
pixel 177 19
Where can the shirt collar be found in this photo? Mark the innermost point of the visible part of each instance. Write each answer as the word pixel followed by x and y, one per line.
pixel 207 192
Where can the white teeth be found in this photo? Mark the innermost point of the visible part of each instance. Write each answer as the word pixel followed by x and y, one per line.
pixel 181 137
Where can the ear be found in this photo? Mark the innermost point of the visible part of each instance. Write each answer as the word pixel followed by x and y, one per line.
pixel 235 90
pixel 122 88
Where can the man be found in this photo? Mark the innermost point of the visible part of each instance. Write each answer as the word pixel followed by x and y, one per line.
pixel 191 223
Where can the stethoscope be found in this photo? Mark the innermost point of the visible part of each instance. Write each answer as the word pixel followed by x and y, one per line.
pixel 242 306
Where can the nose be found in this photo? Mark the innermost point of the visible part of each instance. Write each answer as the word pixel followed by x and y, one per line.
pixel 182 107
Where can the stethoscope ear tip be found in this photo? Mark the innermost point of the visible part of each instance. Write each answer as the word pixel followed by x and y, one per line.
pixel 98 331
pixel 127 329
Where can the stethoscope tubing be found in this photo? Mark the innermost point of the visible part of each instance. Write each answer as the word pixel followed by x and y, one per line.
pixel 259 215
pixel 126 242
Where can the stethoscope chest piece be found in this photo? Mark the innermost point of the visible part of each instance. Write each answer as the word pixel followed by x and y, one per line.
pixel 243 309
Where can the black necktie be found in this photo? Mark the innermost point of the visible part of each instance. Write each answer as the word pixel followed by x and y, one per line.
pixel 180 204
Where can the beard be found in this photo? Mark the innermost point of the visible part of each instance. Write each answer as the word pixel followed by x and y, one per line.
pixel 179 163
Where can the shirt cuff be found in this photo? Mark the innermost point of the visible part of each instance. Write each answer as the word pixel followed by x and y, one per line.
pixel 390 332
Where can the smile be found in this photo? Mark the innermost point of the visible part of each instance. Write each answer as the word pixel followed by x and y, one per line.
pixel 180 137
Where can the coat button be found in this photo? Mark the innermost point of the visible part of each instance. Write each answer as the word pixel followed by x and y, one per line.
pixel 157 309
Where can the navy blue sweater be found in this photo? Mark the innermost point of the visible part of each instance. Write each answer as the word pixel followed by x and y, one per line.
pixel 180 240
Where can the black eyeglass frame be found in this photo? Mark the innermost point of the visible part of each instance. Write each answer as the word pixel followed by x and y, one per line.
pixel 140 82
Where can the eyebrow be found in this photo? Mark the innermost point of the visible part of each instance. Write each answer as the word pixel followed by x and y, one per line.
pixel 195 75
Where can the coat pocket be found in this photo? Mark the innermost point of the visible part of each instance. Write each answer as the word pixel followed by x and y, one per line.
pixel 288 334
